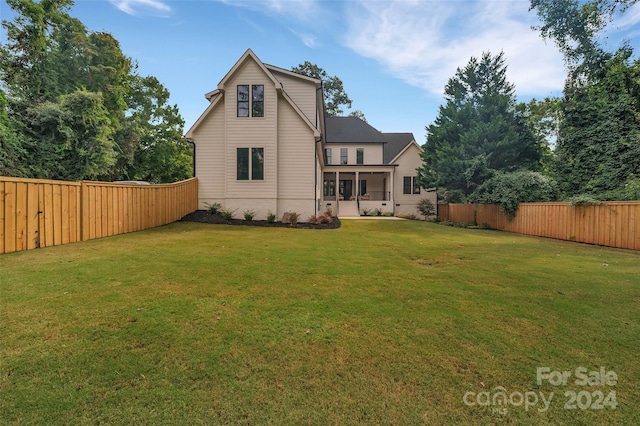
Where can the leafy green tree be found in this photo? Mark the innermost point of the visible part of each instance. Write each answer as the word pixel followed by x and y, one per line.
pixel 12 152
pixel 598 148
pixel 573 25
pixel 161 153
pixel 335 96
pixel 75 106
pixel 43 47
pixel 478 131
pixel 73 137
pixel 358 114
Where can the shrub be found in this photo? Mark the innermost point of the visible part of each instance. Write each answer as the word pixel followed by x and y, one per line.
pixel 271 217
pixel 376 212
pixel 293 218
pixel 329 212
pixel 584 200
pixel 326 218
pixel 366 212
pixel 405 215
pixel 227 214
pixel 213 208
pixel 387 214
pixel 249 215
pixel 314 220
pixel 511 189
pixel 426 207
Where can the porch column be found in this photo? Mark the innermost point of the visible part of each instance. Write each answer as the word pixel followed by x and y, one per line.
pixel 337 186
pixel 357 185
pixel 391 192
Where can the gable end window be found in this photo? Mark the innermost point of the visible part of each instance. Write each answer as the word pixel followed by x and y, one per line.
pixel 257 100
pixel 410 185
pixel 251 106
pixel 250 167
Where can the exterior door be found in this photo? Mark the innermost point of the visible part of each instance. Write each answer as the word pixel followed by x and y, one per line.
pixel 346 189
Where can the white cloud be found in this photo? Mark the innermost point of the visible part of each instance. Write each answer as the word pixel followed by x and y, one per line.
pixel 628 22
pixel 424 42
pixel 309 40
pixel 137 7
pixel 298 10
pixel 302 17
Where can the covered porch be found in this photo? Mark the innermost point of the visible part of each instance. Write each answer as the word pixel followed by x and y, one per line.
pixel 354 192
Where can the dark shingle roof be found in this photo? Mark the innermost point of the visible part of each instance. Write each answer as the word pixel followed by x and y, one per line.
pixel 350 130
pixel 354 130
pixel 396 142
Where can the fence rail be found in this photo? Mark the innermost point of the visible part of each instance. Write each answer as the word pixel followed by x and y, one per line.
pixel 613 224
pixel 41 213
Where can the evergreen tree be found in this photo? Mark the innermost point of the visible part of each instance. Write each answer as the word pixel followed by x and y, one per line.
pixel 478 131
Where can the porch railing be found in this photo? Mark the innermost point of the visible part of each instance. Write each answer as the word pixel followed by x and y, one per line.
pixel 376 196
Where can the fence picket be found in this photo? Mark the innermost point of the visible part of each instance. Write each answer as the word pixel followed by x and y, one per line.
pixel 40 213
pixel 613 223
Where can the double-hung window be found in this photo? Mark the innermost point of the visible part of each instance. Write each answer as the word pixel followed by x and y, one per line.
pixel 250 164
pixel 250 106
pixel 410 185
pixel 343 155
pixel 327 155
pixel 360 156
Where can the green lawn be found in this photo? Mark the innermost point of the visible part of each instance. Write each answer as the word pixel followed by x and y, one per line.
pixel 378 322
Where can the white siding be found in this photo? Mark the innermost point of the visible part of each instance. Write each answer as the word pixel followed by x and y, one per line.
pixel 296 163
pixel 251 132
pixel 210 158
pixel 408 162
pixel 302 92
pixel 372 153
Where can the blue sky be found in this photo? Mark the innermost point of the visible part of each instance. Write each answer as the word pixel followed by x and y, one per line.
pixel 394 57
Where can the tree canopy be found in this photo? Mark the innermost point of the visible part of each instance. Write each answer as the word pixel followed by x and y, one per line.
pixel 335 95
pixel 598 144
pixel 74 106
pixel 478 131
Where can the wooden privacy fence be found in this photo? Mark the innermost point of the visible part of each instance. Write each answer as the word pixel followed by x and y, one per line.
pixel 41 213
pixel 613 224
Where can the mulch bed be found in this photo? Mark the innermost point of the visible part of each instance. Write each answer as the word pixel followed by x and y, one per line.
pixel 203 216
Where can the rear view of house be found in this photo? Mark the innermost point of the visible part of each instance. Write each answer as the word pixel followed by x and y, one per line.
pixel 264 144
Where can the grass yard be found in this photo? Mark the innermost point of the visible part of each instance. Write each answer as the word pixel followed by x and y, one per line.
pixel 378 322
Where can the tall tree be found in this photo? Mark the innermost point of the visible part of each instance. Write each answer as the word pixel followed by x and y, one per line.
pixel 598 146
pixel 75 106
pixel 161 153
pixel 478 131
pixel 574 25
pixel 335 96
pixel 598 150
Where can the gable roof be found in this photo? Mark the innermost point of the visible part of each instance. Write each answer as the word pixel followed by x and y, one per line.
pixel 351 130
pixel 290 73
pixel 396 144
pixel 215 96
pixel 248 54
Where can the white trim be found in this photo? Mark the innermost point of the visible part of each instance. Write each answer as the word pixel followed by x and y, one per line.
pixel 413 142
pixel 203 116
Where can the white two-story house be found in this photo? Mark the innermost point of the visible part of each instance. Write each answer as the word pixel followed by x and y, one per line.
pixel 264 144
